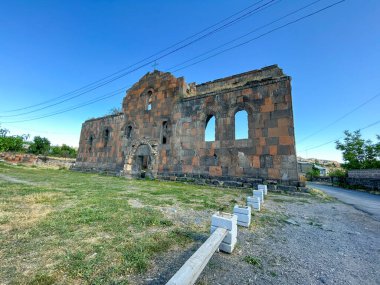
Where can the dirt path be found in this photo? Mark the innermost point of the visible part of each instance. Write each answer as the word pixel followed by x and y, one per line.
pixel 296 240
pixel 15 180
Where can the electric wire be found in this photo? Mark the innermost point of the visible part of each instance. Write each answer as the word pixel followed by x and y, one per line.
pixel 341 118
pixel 334 140
pixel 228 49
pixel 111 77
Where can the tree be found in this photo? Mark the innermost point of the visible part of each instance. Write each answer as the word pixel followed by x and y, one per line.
pixel 68 151
pixel 63 151
pixel 11 143
pixel 359 153
pixel 114 111
pixel 313 173
pixel 337 173
pixel 40 145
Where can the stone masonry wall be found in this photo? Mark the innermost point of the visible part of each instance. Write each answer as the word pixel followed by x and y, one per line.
pixel 161 132
pixel 95 151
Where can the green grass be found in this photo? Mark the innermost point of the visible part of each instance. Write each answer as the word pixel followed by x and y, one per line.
pixel 74 228
pixel 252 260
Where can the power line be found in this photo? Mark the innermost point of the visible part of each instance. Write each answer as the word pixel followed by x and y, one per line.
pixel 246 34
pixel 341 118
pixel 323 144
pixel 100 98
pixel 264 34
pixel 238 45
pixel 113 77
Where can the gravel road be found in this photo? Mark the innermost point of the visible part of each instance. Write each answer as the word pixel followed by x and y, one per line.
pixel 363 201
pixel 294 240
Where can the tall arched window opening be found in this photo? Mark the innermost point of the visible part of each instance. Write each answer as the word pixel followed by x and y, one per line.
pixel 241 125
pixel 164 139
pixel 106 137
pixel 128 132
pixel 149 101
pixel 90 142
pixel 210 128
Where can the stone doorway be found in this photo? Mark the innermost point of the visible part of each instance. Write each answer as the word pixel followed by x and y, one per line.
pixel 142 163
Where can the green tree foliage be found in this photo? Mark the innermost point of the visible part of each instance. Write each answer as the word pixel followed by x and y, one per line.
pixel 40 146
pixel 359 153
pixel 337 173
pixel 63 151
pixel 11 143
pixel 313 173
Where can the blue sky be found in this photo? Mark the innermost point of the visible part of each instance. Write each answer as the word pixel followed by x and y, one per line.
pixel 49 48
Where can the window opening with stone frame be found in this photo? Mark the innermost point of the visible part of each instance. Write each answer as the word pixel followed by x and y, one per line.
pixel 210 128
pixel 164 137
pixel 90 142
pixel 128 132
pixel 149 101
pixel 241 125
pixel 106 137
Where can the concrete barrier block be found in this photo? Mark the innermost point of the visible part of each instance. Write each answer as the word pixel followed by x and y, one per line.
pixel 254 206
pixel 253 199
pixel 242 224
pixel 224 220
pixel 243 218
pixel 231 235
pixel 259 193
pixel 263 187
pixel 242 210
pixel 227 247
pixel 254 203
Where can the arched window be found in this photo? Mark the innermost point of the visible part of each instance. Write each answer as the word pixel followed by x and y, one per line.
pixel 210 128
pixel 164 139
pixel 90 142
pixel 106 137
pixel 128 132
pixel 241 125
pixel 149 101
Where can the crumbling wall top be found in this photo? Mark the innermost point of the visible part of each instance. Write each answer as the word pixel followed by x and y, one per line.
pixel 269 72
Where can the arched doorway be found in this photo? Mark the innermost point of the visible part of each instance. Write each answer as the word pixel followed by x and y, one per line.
pixel 142 161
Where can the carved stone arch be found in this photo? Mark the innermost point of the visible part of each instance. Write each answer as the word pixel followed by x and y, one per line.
pixel 90 142
pixel 251 111
pixel 106 134
pixel 132 167
pixel 204 118
pixel 148 98
pixel 124 129
pixel 241 106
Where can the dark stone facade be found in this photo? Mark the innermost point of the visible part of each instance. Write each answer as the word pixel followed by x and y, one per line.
pixel 161 131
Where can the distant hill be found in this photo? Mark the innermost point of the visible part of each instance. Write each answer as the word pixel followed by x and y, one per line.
pixel 322 162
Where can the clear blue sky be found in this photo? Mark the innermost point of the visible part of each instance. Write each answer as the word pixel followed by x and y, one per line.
pixel 48 48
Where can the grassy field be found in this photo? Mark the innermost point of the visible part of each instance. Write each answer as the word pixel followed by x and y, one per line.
pixel 58 226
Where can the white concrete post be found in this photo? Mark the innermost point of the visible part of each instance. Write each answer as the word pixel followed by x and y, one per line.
pixel 243 214
pixel 260 194
pixel 263 187
pixel 229 222
pixel 254 202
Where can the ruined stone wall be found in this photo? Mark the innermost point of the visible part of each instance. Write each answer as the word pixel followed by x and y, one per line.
pixel 98 151
pixel 269 151
pixel 162 130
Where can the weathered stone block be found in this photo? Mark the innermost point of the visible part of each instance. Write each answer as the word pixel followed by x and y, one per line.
pixel 287 188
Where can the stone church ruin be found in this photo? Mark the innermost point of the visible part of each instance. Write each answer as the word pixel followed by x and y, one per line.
pixel 161 131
